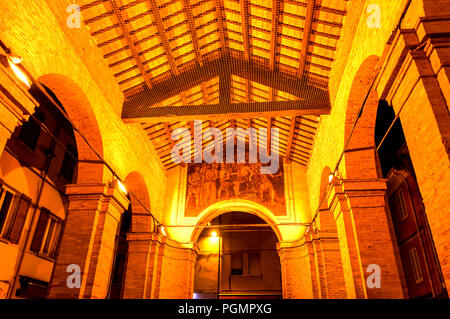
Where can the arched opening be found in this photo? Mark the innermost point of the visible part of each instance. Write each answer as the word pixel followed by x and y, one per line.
pixel 237 258
pixel 117 279
pixel 359 157
pixel 127 269
pixel 80 113
pixel 413 235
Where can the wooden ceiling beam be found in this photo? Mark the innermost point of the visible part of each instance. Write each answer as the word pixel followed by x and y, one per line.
pixel 222 66
pixel 187 8
pixel 225 87
pixel 231 111
pixel 131 41
pixel 221 20
pixel 245 22
pixel 306 37
pixel 162 35
pixel 276 10
pixel 291 137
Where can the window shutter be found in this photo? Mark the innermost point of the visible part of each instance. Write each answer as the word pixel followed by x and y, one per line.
pixel 19 218
pixel 39 231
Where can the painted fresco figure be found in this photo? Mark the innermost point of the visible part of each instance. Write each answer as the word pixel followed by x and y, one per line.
pixel 195 188
pixel 210 185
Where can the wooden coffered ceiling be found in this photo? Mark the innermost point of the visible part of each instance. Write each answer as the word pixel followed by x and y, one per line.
pixel 249 63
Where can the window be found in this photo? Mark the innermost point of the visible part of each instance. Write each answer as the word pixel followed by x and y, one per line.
pixel 401 205
pixel 237 264
pixel 30 131
pixel 68 164
pixel 13 214
pixel 414 257
pixel 245 264
pixel 46 234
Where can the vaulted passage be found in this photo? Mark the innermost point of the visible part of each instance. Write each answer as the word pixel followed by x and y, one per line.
pixel 224 149
pixel 237 259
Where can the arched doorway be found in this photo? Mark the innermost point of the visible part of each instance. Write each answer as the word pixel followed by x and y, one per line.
pixel 420 263
pixel 237 259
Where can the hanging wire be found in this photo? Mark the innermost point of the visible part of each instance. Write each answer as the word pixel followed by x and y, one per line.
pixel 75 129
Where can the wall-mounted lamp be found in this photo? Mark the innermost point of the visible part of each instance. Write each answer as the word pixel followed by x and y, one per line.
pixel 213 233
pixel 122 187
pixel 14 64
pixel 162 230
pixel 330 178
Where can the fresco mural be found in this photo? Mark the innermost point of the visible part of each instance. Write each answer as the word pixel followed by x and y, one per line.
pixel 210 183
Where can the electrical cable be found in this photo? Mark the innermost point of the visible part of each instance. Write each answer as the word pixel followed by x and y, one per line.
pixel 75 129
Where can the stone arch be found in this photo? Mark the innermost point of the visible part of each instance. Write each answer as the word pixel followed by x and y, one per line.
pixel 81 114
pixel 226 206
pixel 141 221
pixel 360 154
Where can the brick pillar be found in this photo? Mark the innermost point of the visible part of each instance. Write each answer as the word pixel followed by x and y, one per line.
pixel 142 266
pixel 88 240
pixel 297 277
pixel 419 90
pixel 365 237
pixel 328 256
pixel 426 124
pixel 175 270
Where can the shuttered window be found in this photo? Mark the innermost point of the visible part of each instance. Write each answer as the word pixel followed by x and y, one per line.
pixel 22 204
pixel 13 213
pixel 46 234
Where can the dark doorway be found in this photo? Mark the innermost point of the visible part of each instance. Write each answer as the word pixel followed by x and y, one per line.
pixel 120 259
pixel 419 260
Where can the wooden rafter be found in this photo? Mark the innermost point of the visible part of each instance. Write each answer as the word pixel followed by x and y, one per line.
pixel 291 137
pixel 221 21
pixel 131 41
pixel 221 67
pixel 225 87
pixel 231 111
pixel 190 19
pixel 162 35
pixel 276 9
pixel 245 21
pixel 306 37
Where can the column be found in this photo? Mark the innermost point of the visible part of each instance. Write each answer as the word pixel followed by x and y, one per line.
pixel 88 240
pixel 296 273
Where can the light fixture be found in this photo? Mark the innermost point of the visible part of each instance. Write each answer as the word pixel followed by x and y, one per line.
pixel 162 229
pixel 121 186
pixel 15 59
pixel 330 178
pixel 13 64
pixel 213 233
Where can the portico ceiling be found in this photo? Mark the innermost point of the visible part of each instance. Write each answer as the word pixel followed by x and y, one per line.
pixel 249 63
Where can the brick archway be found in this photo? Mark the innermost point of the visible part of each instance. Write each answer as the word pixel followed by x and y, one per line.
pixel 360 155
pixel 141 220
pixel 77 106
pixel 244 206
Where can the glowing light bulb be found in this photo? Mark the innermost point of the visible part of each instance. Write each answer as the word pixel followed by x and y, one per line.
pixel 122 187
pixel 18 72
pixel 330 177
pixel 163 230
